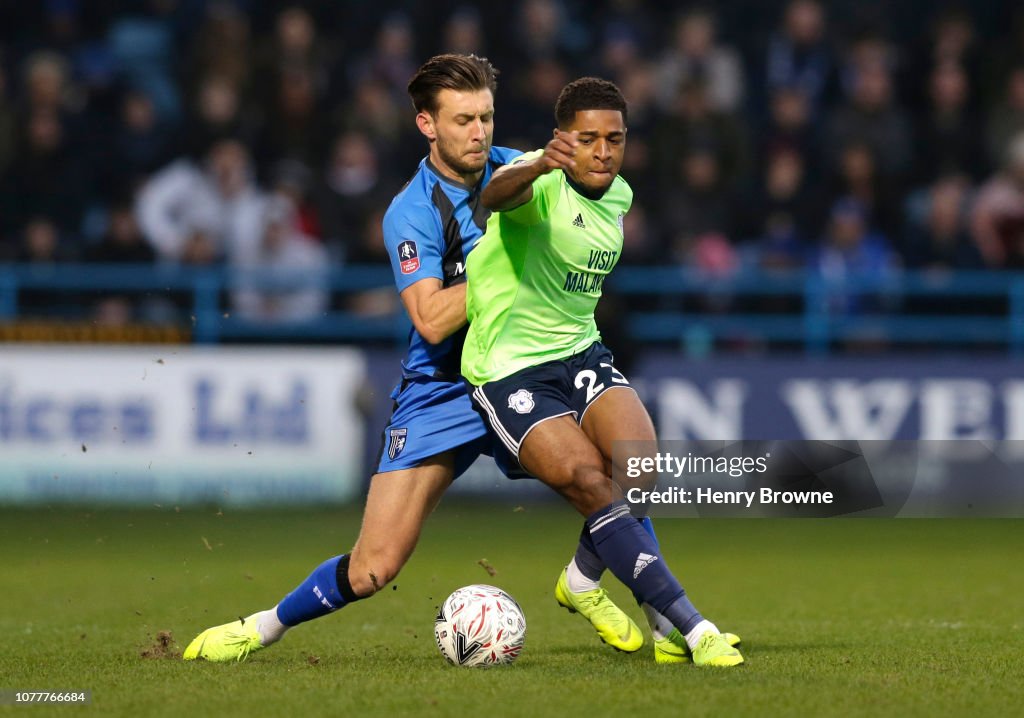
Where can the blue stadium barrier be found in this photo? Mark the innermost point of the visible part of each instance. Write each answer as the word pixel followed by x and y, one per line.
pixel 815 326
pixel 210 310
pixel 668 306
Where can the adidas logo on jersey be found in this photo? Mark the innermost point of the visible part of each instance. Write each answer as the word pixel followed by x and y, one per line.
pixel 578 222
pixel 643 560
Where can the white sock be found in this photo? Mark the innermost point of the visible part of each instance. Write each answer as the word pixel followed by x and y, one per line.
pixel 660 626
pixel 269 627
pixel 578 583
pixel 693 637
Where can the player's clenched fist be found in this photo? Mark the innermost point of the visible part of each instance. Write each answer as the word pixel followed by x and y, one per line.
pixel 560 152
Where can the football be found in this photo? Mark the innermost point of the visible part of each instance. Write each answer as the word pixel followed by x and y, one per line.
pixel 480 625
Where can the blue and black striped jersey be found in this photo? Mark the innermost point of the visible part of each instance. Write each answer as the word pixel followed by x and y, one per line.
pixel 429 228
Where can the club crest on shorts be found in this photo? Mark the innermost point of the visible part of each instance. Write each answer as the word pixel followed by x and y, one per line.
pixel 396 443
pixel 408 256
pixel 521 401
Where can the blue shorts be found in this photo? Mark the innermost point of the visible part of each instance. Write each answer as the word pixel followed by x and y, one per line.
pixel 430 417
pixel 521 401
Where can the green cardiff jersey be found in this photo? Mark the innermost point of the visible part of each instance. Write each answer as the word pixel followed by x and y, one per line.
pixel 534 277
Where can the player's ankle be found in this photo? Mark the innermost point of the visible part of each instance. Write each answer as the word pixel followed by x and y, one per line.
pixel 577 581
pixel 269 626
pixel 694 634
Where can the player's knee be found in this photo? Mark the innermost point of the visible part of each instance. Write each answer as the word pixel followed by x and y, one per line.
pixel 590 488
pixel 369 574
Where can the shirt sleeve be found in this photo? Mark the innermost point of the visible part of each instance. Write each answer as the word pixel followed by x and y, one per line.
pixel 505 155
pixel 413 243
pixel 545 195
pixel 627 193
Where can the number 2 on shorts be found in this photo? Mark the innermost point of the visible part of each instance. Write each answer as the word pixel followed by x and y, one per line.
pixel 588 378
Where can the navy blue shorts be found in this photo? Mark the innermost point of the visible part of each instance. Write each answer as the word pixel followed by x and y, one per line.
pixel 521 401
pixel 431 417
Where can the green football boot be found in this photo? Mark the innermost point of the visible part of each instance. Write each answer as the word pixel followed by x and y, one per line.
pixel 231 642
pixel 673 649
pixel 613 626
pixel 714 650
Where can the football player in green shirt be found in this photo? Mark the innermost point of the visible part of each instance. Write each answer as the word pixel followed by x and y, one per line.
pixel 534 359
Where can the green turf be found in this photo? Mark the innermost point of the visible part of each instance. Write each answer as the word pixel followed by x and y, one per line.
pixel 839 617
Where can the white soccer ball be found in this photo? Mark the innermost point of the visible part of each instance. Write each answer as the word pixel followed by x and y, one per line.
pixel 480 625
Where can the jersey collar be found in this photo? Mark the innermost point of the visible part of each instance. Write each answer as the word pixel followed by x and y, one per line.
pixel 583 191
pixel 449 180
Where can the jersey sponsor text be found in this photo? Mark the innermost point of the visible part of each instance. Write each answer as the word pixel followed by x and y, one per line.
pixel 583 282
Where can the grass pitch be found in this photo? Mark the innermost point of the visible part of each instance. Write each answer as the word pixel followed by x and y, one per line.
pixel 838 617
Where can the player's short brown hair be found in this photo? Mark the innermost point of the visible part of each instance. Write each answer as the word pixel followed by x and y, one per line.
pixel 588 93
pixel 450 72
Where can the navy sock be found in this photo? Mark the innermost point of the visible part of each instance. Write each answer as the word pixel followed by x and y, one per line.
pixel 587 560
pixel 632 554
pixel 326 589
pixel 649 528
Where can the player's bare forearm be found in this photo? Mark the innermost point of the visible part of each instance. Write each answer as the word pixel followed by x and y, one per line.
pixel 512 185
pixel 436 313
pixel 445 312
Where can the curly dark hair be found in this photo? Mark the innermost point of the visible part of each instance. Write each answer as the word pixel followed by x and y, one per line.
pixel 450 72
pixel 588 93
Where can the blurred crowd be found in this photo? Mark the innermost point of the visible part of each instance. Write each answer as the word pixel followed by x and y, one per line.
pixel 841 137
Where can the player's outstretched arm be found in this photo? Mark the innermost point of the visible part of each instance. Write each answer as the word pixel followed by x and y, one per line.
pixel 435 312
pixel 512 185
